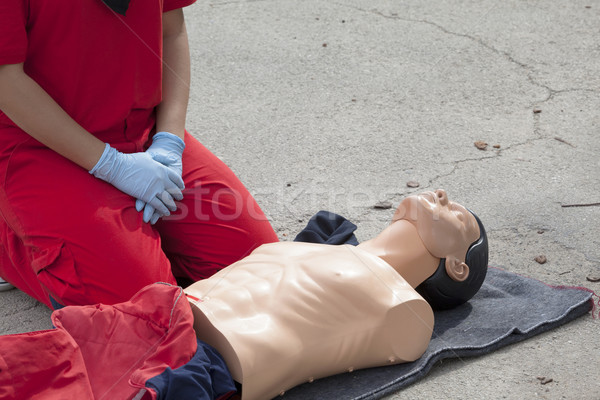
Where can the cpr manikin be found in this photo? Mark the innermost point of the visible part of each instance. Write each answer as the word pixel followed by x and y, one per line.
pixel 292 312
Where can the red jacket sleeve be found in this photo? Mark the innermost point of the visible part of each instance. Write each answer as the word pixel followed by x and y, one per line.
pixel 13 34
pixel 169 5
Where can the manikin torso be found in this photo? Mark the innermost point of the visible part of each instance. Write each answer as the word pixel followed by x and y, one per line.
pixel 292 312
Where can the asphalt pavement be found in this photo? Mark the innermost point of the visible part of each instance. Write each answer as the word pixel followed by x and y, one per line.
pixel 337 105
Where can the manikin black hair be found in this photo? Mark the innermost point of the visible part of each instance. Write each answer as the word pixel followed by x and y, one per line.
pixel 442 292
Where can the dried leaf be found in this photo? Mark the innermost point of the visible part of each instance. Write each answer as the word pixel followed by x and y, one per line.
pixel 480 144
pixel 543 380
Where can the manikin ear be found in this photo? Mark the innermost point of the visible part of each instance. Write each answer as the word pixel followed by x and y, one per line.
pixel 457 270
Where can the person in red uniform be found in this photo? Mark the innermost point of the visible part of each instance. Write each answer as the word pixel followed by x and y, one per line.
pixel 102 190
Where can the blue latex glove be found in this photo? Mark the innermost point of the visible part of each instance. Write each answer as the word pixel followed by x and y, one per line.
pixel 166 149
pixel 138 175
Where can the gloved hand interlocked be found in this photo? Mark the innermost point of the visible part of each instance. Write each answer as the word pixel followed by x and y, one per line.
pixel 166 149
pixel 138 175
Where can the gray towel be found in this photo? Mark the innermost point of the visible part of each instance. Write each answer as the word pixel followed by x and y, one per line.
pixel 508 308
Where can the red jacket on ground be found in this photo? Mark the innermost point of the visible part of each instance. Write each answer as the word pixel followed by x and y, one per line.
pixel 145 348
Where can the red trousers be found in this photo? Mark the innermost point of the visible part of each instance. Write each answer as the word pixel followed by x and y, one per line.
pixel 67 234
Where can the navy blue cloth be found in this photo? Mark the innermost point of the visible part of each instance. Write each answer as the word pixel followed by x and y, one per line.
pixel 55 304
pixel 328 228
pixel 204 377
pixel 119 6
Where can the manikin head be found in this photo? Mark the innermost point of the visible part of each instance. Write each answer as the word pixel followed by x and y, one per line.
pixel 455 235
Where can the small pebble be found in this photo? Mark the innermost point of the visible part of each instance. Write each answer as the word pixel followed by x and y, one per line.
pixel 383 205
pixel 592 278
pixel 541 259
pixel 496 146
pixel 537 110
pixel 413 184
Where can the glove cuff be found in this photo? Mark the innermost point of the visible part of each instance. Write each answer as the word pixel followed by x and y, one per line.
pixel 173 139
pixel 104 165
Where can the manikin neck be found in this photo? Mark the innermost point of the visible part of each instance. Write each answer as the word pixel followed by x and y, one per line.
pixel 401 246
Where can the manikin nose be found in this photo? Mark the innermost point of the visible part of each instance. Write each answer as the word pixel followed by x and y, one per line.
pixel 441 194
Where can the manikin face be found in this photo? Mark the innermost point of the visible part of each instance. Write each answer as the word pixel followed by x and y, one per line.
pixel 446 228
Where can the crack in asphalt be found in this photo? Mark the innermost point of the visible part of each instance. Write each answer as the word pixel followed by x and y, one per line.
pixel 529 71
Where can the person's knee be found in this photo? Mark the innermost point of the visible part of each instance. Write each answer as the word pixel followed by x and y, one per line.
pixel 73 278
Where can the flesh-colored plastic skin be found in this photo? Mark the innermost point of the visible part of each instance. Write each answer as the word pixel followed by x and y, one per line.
pixel 292 312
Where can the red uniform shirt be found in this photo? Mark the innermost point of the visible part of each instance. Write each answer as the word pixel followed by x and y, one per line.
pixel 103 69
pixel 64 232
